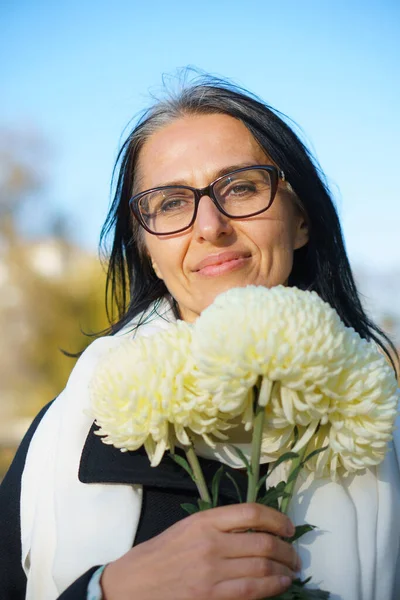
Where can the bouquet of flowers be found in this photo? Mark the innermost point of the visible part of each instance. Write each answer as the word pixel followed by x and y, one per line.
pixel 280 361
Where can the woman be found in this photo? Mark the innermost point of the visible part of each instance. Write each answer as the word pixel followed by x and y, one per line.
pixel 183 233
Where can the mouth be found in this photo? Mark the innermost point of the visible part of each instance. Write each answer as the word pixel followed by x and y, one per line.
pixel 219 264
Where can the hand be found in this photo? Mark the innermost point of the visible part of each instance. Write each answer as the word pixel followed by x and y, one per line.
pixel 210 555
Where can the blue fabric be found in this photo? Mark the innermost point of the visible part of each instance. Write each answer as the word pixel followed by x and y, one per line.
pixel 94 588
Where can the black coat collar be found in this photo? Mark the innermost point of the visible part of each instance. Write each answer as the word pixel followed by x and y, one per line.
pixel 103 463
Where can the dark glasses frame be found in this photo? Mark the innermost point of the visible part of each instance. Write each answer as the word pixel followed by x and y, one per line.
pixel 275 175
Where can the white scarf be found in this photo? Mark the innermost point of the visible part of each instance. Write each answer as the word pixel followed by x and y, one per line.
pixel 68 526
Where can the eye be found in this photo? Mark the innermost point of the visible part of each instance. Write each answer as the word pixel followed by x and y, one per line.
pixel 242 187
pixel 173 203
pixel 166 202
pixel 239 189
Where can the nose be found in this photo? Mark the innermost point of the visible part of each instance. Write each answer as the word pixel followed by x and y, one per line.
pixel 210 223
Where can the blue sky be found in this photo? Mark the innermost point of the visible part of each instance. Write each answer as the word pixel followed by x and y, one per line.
pixel 77 72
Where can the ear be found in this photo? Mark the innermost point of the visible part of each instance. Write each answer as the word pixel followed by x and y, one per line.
pixel 153 262
pixel 302 233
pixel 156 269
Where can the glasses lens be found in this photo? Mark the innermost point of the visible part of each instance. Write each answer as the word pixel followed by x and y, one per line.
pixel 167 210
pixel 245 193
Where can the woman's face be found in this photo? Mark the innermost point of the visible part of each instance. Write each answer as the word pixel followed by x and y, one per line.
pixel 216 253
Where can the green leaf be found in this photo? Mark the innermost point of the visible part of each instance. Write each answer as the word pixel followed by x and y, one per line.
pixel 316 595
pixel 302 583
pixel 190 508
pixel 244 459
pixel 215 485
pixel 272 501
pixel 300 531
pixel 283 458
pixel 261 482
pixel 294 473
pixel 239 495
pixel 295 436
pixel 203 504
pixel 298 591
pixel 273 494
pixel 182 462
pixel 271 490
pixel 314 453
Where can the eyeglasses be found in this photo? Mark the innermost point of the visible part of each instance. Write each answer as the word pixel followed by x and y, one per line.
pixel 242 193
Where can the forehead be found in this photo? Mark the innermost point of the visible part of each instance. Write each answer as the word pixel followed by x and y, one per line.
pixel 194 148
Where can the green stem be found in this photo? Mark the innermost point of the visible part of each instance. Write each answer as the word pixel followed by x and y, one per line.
pixel 290 486
pixel 198 473
pixel 258 424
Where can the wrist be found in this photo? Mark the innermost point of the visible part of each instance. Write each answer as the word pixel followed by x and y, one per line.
pixel 109 583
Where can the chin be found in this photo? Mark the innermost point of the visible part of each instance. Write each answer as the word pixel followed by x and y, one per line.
pixel 220 289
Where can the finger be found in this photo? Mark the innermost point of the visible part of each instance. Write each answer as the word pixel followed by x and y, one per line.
pixel 241 517
pixel 255 567
pixel 252 588
pixel 264 545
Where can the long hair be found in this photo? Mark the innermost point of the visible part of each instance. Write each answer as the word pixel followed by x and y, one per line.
pixel 322 265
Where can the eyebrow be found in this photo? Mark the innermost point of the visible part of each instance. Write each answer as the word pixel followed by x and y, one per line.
pixel 217 174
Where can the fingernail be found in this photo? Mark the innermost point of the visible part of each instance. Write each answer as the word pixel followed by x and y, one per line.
pixel 298 564
pixel 285 581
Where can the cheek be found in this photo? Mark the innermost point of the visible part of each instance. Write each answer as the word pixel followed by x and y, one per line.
pixel 272 237
pixel 275 246
pixel 276 234
pixel 166 255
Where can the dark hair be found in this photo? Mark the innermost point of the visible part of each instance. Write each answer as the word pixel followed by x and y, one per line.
pixel 322 265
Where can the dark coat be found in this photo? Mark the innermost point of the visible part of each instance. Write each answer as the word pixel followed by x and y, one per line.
pixel 165 488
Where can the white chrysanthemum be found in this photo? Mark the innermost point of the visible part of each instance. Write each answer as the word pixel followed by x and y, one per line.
pixel 326 378
pixel 144 393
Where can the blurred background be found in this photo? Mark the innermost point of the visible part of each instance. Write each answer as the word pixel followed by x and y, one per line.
pixel 73 76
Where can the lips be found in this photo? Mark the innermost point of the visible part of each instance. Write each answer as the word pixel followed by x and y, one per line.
pixel 225 260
